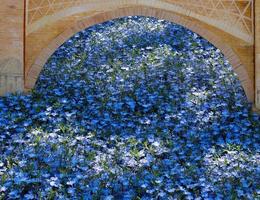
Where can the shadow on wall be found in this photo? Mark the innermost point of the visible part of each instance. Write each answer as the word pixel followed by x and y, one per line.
pixel 11 75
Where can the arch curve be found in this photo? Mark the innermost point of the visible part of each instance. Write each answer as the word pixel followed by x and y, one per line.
pixel 193 25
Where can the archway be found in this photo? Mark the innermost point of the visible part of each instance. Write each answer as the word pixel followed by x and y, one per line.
pixel 194 25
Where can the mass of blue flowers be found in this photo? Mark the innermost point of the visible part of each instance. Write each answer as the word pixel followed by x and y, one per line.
pixel 135 109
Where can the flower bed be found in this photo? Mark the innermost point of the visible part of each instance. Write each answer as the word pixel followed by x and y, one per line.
pixel 134 108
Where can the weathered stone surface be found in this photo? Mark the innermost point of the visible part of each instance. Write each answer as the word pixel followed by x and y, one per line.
pixel 11 46
pixel 11 75
pixel 257 54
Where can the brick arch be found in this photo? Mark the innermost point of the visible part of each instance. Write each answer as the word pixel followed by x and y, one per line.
pixel 194 25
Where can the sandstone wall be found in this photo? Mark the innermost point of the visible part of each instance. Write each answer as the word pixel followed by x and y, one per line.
pixel 11 45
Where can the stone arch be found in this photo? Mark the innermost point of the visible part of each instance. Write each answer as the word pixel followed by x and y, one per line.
pixel 188 22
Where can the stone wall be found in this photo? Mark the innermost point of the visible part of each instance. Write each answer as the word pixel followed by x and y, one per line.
pixel 12 48
pixel 257 54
